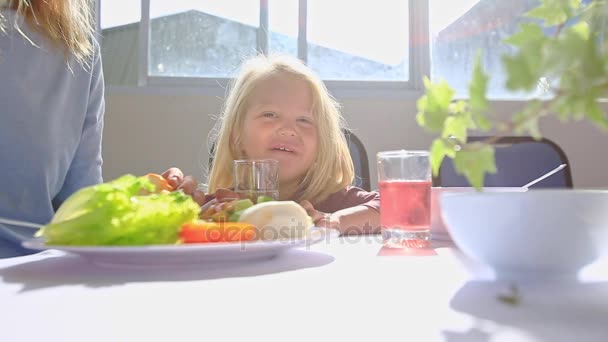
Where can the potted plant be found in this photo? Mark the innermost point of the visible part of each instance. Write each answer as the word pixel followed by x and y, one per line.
pixel 562 50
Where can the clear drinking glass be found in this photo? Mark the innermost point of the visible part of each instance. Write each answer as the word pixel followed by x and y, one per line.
pixel 255 178
pixel 404 179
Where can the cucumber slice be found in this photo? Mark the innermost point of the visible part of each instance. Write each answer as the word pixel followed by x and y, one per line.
pixel 241 205
pixel 236 216
pixel 263 198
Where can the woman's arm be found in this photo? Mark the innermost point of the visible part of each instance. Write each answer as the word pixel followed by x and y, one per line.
pixel 85 168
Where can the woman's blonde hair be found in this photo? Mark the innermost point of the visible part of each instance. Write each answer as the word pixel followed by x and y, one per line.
pixel 333 168
pixel 66 23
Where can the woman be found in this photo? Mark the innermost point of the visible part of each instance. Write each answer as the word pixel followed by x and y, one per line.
pixel 51 109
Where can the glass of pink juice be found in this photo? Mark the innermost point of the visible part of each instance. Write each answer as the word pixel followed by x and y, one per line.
pixel 404 179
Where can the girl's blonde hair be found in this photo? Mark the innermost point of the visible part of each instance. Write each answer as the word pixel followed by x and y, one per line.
pixel 333 168
pixel 66 23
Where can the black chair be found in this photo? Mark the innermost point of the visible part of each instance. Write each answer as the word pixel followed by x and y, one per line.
pixel 518 161
pixel 360 161
pixel 357 153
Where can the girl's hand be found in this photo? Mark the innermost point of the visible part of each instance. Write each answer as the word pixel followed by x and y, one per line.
pixel 187 184
pixel 319 218
pixel 221 195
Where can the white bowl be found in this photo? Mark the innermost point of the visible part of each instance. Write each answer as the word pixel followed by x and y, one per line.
pixel 538 234
pixel 438 229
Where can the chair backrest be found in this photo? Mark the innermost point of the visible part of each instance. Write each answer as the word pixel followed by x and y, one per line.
pixel 518 161
pixel 360 161
pixel 357 153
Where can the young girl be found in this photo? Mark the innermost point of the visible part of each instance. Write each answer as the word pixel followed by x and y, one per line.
pixel 278 109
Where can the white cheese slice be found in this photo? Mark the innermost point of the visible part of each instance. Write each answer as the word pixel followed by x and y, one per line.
pixel 278 220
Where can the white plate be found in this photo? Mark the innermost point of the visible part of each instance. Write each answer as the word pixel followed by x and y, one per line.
pixel 187 254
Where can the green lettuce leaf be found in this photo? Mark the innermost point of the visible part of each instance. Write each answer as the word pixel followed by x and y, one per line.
pixel 120 212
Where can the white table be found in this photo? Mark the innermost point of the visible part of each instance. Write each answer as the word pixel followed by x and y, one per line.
pixel 345 290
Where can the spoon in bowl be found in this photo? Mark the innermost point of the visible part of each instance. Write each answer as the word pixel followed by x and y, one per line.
pixel 557 169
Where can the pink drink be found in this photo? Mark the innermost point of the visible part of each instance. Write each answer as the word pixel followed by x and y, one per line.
pixel 405 205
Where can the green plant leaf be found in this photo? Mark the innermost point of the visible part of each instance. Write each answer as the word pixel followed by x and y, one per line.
pixel 526 121
pixel 564 106
pixel 525 68
pixel 458 107
pixel 478 101
pixel 595 13
pixel 528 34
pixel 474 162
pixel 551 15
pixel 433 107
pixel 581 29
pixel 438 152
pixel 596 115
pixel 520 74
pixel 554 12
pixel 531 127
pixel 574 49
pixel 455 126
pixel 580 106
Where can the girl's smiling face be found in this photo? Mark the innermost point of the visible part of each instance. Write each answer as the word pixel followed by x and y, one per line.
pixel 279 124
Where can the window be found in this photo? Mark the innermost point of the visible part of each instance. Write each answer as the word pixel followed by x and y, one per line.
pixel 119 23
pixel 359 40
pixel 193 39
pixel 469 27
pixel 377 44
pixel 201 38
pixel 283 26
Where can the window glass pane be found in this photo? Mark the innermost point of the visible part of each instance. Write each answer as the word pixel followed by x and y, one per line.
pixel 461 28
pixel 201 38
pixel 359 40
pixel 283 24
pixel 119 43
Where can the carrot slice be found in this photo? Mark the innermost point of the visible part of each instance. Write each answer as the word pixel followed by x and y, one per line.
pixel 160 182
pixel 203 232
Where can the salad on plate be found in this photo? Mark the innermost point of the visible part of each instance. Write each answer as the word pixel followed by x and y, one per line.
pixel 146 210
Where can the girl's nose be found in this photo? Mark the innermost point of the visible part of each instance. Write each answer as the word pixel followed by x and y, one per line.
pixel 287 132
pixel 287 129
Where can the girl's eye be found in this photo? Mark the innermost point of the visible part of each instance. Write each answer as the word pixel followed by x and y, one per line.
pixel 305 120
pixel 269 114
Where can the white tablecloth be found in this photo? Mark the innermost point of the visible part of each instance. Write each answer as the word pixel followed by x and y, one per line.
pixel 344 290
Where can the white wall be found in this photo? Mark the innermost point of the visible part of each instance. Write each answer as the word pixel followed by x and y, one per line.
pixel 149 131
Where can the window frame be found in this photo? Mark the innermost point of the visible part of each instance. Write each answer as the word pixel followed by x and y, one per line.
pixel 419 57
